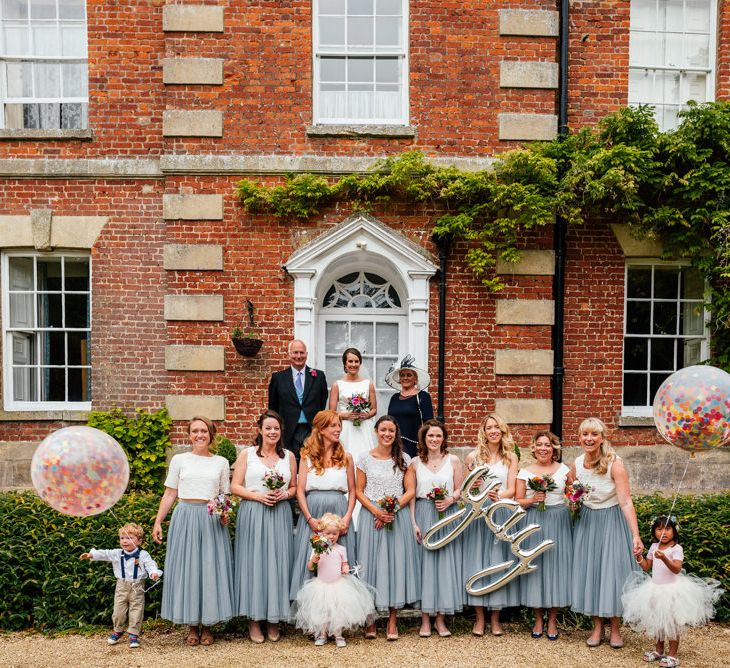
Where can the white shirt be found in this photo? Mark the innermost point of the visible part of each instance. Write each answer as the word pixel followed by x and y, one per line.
pixel 199 477
pixel 426 478
pixel 145 567
pixel 554 498
pixel 256 470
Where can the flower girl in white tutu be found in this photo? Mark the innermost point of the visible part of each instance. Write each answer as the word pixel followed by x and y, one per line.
pixel 664 605
pixel 334 601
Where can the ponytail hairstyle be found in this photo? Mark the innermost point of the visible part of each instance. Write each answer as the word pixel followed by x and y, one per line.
pixel 396 450
pixel 506 445
pixel 608 454
pixel 258 442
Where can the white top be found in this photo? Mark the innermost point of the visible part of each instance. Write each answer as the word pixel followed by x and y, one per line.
pixel 332 479
pixel 256 470
pixel 347 389
pixel 146 564
pixel 199 477
pixel 554 498
pixel 498 471
pixel 426 478
pixel 382 480
pixel 603 488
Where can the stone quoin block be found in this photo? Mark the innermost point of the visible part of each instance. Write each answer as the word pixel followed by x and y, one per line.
pixel 528 127
pixel 192 257
pixel 192 18
pixel 525 312
pixel 523 362
pixel 180 123
pixel 193 307
pixel 194 358
pixel 187 406
pixel 192 71
pixel 192 207
pixel 528 74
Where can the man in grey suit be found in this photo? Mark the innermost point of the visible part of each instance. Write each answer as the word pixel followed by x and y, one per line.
pixel 297 393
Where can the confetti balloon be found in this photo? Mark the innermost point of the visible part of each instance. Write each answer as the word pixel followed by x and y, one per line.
pixel 80 471
pixel 692 408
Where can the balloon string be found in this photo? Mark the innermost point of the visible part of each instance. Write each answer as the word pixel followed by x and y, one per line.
pixel 676 494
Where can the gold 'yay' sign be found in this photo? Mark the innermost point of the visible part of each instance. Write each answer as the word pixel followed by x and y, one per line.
pixel 472 510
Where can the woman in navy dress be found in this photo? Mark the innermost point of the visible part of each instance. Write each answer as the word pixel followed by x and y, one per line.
pixel 411 406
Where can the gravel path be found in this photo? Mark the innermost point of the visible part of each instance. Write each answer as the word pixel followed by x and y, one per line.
pixel 700 648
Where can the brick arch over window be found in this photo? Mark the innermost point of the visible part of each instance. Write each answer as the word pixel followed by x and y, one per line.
pixel 362 243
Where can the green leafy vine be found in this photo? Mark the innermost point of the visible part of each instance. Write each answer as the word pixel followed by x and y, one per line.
pixel 673 186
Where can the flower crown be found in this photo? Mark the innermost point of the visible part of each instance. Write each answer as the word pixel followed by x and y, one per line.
pixel 670 518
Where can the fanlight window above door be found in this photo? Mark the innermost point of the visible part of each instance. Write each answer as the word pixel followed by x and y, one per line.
pixel 362 290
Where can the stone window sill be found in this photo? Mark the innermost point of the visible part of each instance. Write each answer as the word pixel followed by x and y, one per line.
pixel 41 416
pixel 395 131
pixel 46 135
pixel 635 421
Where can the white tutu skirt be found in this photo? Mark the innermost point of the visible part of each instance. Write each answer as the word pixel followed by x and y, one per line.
pixel 333 607
pixel 664 611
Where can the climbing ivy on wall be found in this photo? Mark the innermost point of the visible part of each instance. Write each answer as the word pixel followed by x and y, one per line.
pixel 673 186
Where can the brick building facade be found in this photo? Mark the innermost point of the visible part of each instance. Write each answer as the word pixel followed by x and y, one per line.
pixel 125 247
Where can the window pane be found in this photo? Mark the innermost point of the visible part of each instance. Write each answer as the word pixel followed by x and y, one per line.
pixel 20 79
pixel 331 30
pixel 78 349
pixel 663 354
pixel 335 336
pixel 634 389
pixel 73 115
pixel 696 87
pixel 388 7
pixel 643 14
pixel 386 338
pixel 74 80
pixel 15 9
pixel 50 312
pixel 666 283
pixel 43 9
pixel 645 48
pixel 76 385
pixel 693 321
pixel 331 6
pixel 55 353
pixel 386 70
pixel 54 384
pixel 73 41
pixel 21 310
pixel 673 15
pixel 332 69
pixel 17 41
pixel 77 311
pixel 359 6
pixel 388 31
pixel 45 41
pixel 665 318
pixel 47 80
pixel 359 31
pixel 72 9
pixel 655 381
pixel 49 273
pixel 367 368
pixel 76 274
pixel 638 282
pixel 636 354
pixel 382 365
pixel 360 69
pixel 697 15
pixel 637 317
pixel 641 87
pixel 692 352
pixel 361 336
pixel 696 51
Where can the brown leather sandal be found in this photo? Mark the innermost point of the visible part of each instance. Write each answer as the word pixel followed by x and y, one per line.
pixel 206 637
pixel 193 638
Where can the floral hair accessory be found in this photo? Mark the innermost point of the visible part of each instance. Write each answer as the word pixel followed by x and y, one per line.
pixel 668 519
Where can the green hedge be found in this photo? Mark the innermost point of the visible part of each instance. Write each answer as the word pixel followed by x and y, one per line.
pixel 44 584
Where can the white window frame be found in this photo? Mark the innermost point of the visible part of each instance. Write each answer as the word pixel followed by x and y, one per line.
pixel 651 69
pixel 32 58
pixel 9 403
pixel 344 52
pixel 647 411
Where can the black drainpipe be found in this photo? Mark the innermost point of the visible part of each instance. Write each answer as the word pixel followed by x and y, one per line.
pixel 559 240
pixel 443 243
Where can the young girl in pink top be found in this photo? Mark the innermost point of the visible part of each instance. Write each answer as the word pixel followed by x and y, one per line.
pixel 334 600
pixel 664 605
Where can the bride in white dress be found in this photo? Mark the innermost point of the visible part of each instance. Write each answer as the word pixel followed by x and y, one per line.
pixel 357 434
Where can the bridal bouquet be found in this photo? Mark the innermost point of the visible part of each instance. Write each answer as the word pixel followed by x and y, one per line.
pixel 358 403
pixel 390 505
pixel 438 493
pixel 544 484
pixel 574 496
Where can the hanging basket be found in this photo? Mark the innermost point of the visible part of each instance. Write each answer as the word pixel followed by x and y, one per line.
pixel 246 346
